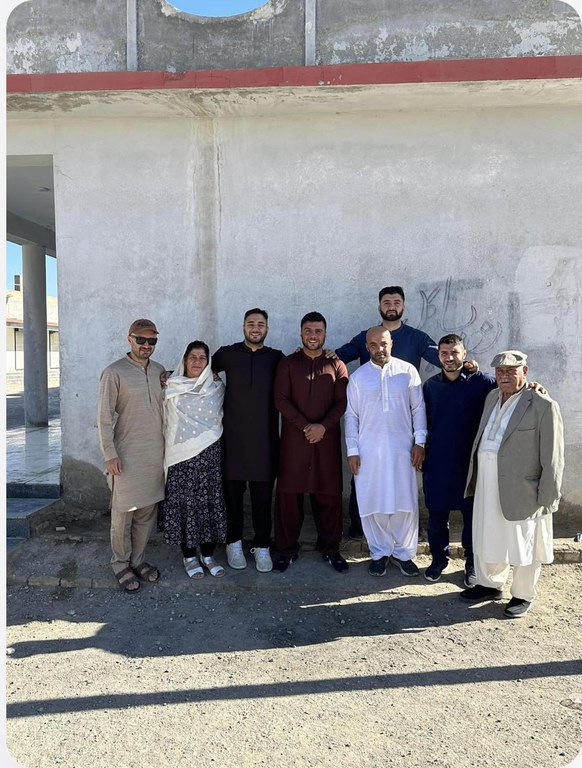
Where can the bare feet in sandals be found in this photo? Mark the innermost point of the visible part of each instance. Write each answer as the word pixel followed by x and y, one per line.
pixel 147 573
pixel 127 580
pixel 193 567
pixel 214 568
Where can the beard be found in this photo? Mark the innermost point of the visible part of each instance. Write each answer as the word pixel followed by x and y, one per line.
pixel 256 340
pixel 314 344
pixel 391 315
pixel 452 365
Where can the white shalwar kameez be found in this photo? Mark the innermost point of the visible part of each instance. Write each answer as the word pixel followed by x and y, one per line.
pixel 499 543
pixel 384 418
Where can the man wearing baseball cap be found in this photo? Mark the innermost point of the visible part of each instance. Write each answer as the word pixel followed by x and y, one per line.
pixel 515 474
pixel 132 443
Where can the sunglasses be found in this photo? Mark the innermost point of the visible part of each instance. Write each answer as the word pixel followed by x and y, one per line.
pixel 146 340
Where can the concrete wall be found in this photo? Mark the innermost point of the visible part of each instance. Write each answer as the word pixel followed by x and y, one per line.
pixel 473 212
pixel 406 30
pixel 66 36
pixel 109 35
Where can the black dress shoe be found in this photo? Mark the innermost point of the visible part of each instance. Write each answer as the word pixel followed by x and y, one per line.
pixel 479 593
pixel 283 562
pixel 337 562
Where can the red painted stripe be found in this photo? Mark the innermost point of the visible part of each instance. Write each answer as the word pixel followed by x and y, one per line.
pixel 462 70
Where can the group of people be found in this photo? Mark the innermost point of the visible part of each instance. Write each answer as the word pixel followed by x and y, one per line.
pixel 489 446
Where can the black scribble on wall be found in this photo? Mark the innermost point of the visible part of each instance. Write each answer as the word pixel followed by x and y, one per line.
pixel 439 311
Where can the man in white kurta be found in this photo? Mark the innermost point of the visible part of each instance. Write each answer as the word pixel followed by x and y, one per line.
pixel 516 472
pixel 385 428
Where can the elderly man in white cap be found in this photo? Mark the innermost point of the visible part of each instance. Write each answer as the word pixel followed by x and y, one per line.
pixel 515 474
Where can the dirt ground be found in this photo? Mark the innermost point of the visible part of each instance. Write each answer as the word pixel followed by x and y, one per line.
pixel 306 668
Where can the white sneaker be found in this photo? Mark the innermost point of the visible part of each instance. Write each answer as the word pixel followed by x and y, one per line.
pixel 235 556
pixel 262 559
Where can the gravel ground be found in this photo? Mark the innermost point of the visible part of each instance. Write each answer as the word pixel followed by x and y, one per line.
pixel 355 672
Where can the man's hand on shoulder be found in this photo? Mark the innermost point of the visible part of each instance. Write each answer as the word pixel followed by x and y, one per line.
pixel 164 376
pixel 537 387
pixel 330 354
pixel 471 366
pixel 113 466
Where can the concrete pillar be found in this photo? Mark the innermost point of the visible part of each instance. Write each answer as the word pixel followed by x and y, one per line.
pixel 35 336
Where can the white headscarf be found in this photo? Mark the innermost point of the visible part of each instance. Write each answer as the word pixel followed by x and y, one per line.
pixel 193 414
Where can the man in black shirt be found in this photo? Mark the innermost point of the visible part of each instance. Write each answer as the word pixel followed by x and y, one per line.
pixel 251 436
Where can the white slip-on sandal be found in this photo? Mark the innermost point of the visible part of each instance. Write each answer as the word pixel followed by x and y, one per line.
pixel 214 568
pixel 193 567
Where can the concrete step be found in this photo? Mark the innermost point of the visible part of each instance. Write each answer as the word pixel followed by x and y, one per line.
pixel 32 491
pixel 19 513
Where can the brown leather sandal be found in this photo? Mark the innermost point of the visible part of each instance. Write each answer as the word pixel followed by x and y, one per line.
pixel 126 578
pixel 145 571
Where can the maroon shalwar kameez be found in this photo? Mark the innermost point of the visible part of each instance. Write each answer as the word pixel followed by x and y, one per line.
pixel 309 391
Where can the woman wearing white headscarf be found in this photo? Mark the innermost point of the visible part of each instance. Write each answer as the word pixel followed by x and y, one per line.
pixel 193 513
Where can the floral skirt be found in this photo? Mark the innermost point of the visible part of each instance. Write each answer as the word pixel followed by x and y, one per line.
pixel 193 511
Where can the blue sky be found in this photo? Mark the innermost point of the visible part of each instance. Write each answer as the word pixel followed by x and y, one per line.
pixel 14 267
pixel 199 7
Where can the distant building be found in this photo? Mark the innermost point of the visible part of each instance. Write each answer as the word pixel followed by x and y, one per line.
pixel 15 339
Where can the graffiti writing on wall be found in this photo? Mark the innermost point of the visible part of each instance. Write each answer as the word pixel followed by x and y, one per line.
pixel 441 315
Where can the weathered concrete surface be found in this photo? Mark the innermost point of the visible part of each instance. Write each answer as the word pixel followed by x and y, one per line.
pixel 270 36
pixel 402 30
pixel 64 36
pixel 88 35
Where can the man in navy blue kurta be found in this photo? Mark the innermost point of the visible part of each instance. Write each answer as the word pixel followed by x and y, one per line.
pixel 454 402
pixel 409 344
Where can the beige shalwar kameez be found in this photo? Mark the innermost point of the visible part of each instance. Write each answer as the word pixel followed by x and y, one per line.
pixel 130 423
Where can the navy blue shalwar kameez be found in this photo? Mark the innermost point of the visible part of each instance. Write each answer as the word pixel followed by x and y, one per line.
pixel 453 412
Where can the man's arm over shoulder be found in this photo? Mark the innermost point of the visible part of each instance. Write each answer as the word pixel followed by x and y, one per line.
pixel 487 380
pixel 551 454
pixel 106 412
pixel 430 350
pixel 353 349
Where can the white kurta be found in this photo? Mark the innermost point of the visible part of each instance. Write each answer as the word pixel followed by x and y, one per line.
pixel 495 539
pixel 384 418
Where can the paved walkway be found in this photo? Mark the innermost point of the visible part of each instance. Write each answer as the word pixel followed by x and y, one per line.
pixel 33 454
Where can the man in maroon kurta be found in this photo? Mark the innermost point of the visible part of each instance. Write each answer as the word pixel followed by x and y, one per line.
pixel 310 393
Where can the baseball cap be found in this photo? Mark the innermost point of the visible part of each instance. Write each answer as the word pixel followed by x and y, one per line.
pixel 138 326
